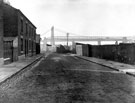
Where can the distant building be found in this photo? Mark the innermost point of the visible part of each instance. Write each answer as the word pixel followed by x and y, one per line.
pixel 17 34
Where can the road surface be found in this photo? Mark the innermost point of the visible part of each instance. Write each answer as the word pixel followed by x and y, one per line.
pixel 63 78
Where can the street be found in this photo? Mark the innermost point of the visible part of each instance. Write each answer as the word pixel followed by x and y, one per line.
pixel 63 78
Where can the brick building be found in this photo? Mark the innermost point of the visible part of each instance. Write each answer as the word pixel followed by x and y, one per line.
pixel 17 34
pixel 1 33
pixel 38 39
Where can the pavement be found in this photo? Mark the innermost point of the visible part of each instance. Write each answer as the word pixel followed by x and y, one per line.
pixel 6 71
pixel 122 67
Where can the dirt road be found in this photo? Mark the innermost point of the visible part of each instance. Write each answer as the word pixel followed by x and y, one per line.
pixel 63 78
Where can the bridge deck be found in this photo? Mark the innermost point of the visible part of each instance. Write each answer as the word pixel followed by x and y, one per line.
pixel 88 38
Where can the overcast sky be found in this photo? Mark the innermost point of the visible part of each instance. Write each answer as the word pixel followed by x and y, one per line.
pixel 84 17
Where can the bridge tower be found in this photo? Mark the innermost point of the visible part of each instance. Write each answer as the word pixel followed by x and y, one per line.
pixel 124 40
pixel 52 36
pixel 67 38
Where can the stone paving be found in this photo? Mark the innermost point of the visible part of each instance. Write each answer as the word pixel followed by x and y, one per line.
pixel 8 70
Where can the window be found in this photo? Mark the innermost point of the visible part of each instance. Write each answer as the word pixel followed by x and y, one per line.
pixel 29 44
pixel 29 31
pixel 34 35
pixel 21 25
pixel 26 29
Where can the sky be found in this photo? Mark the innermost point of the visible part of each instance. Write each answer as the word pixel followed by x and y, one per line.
pixel 83 17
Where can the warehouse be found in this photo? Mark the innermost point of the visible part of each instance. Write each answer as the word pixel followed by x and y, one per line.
pixel 17 34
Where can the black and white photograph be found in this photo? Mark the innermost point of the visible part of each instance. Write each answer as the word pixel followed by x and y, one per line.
pixel 67 51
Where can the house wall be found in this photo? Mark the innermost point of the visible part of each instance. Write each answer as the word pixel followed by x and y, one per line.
pixel 10 21
pixel 17 25
pixel 26 36
pixel 1 34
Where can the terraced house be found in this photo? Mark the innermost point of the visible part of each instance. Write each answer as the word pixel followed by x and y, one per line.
pixel 17 34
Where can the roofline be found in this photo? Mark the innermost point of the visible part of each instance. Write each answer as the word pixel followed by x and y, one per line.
pixel 26 17
pixel 21 13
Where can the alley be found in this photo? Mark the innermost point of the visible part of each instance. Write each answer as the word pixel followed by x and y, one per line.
pixel 60 78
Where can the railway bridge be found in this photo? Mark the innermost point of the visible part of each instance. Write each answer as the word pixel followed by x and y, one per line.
pixel 69 38
pixel 87 38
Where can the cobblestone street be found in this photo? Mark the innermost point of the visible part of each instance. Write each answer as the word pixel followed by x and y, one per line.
pixel 60 78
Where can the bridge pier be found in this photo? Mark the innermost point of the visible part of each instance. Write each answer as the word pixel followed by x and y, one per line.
pixel 116 43
pixel 124 40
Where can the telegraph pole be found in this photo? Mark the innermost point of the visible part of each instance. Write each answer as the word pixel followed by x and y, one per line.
pixel 67 38
pixel 52 36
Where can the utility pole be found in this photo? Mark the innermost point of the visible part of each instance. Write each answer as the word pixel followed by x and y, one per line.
pixel 67 38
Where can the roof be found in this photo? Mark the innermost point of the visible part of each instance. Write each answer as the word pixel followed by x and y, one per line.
pixel 26 17
pixel 18 10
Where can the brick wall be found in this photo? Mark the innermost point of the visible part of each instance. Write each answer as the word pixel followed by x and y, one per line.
pixel 16 24
pixel 124 53
pixel 1 34
pixel 27 34
pixel 10 21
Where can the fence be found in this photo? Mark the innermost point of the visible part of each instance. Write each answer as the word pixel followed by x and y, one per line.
pixel 124 53
pixel 62 49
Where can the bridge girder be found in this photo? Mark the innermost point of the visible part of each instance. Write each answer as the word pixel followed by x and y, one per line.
pixel 62 39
